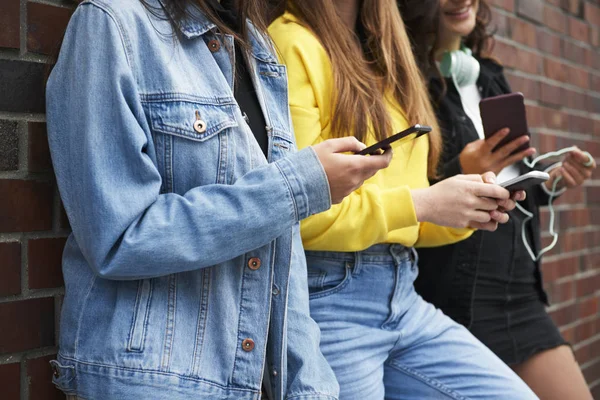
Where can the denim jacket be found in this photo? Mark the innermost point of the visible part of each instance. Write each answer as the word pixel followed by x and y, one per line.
pixel 185 274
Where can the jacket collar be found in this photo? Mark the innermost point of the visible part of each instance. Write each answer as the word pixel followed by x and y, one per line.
pixel 197 24
pixel 193 25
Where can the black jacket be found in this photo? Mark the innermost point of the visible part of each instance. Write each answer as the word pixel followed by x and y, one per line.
pixel 447 273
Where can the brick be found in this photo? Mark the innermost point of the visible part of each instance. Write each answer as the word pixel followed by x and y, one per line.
pixel 591 262
pixel 592 194
pixel 573 99
pixel 39 152
pixel 592 13
pixel 585 330
pixel 529 87
pixel 10 381
pixel 45 263
pixel 532 9
pixel 9 145
pixel 534 117
pixel 575 217
pixel 578 29
pixel 46 26
pixel 9 21
pixel 579 124
pixel 575 53
pixel 520 59
pixel 25 206
pixel 22 86
pixel 587 285
pixel 568 334
pixel 588 351
pixel 565 73
pixel 10 259
pixel 555 19
pixel 555 120
pixel 39 376
pixel 591 373
pixel 595 82
pixel 549 43
pixel 572 241
pixel 523 32
pixel 594 36
pixel 561 292
pixel 575 7
pixel 592 240
pixel 551 94
pixel 587 308
pixel 564 315
pixel 508 5
pixel 572 196
pixel 31 325
pixel 560 268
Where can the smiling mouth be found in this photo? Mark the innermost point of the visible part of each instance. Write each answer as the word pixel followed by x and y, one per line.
pixel 459 11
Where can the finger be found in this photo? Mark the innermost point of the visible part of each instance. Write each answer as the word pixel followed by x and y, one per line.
pixel 496 138
pixel 488 226
pixel 488 177
pixel 492 191
pixel 508 148
pixel 519 195
pixel 484 203
pixel 517 157
pixel 498 216
pixel 574 172
pixel 378 161
pixel 480 216
pixel 567 178
pixel 586 172
pixel 507 205
pixel 345 144
pixel 579 156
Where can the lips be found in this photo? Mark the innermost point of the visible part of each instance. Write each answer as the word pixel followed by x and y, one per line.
pixel 458 11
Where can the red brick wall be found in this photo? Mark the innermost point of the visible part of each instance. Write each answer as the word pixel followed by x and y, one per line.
pixel 552 54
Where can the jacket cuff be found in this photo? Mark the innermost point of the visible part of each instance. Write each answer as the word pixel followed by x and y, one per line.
pixel 399 208
pixel 307 182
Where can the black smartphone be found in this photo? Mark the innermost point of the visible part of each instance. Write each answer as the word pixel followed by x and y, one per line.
pixel 505 111
pixel 409 134
pixel 525 181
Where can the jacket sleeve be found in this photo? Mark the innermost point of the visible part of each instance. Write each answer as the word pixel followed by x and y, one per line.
pixel 370 210
pixel 124 226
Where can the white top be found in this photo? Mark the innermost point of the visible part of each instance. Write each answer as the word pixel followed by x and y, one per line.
pixel 470 98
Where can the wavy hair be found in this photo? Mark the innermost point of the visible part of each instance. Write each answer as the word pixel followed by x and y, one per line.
pixel 376 64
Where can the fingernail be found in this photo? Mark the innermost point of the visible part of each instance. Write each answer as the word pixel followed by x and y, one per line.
pixel 505 130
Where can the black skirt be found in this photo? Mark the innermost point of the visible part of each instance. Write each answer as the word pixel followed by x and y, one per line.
pixel 508 313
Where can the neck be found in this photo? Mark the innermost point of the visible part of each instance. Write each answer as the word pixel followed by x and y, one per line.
pixel 447 43
pixel 348 11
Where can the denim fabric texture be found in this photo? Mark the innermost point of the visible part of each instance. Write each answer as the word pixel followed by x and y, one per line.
pixel 384 341
pixel 185 274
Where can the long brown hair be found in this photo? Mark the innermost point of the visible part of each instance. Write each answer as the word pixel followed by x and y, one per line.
pixel 422 20
pixel 363 79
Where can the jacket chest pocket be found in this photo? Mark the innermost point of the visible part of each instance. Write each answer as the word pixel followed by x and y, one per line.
pixel 193 142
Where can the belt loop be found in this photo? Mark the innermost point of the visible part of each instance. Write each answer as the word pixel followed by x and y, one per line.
pixel 415 256
pixel 357 262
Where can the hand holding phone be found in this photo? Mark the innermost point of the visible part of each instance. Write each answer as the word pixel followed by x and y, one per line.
pixel 408 134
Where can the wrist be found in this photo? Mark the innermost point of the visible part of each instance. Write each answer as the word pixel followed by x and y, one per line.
pixel 421 204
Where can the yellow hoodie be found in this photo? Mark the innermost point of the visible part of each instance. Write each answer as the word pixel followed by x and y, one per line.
pixel 382 210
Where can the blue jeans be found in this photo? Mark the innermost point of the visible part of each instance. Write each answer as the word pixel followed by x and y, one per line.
pixel 384 341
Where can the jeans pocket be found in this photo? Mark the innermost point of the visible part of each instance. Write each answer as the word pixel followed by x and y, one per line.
pixel 325 280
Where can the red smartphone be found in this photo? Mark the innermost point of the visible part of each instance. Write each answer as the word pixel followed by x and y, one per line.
pixel 505 111
pixel 409 134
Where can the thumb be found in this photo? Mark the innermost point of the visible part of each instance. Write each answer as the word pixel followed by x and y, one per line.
pixel 342 145
pixel 489 177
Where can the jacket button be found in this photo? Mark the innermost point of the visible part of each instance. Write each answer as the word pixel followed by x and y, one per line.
pixel 275 291
pixel 254 263
pixel 214 45
pixel 200 126
pixel 55 371
pixel 248 344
